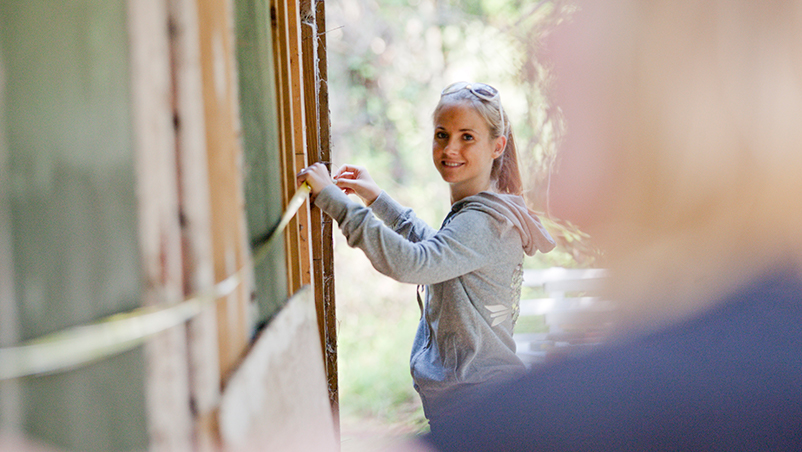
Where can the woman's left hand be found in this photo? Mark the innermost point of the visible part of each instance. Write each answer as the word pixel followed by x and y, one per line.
pixel 317 176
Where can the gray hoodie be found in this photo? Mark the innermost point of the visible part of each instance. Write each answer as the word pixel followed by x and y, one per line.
pixel 472 269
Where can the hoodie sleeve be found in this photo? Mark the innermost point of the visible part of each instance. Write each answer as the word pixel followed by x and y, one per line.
pixel 401 219
pixel 468 242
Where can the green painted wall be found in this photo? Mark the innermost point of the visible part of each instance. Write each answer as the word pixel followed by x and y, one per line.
pixel 260 139
pixel 73 209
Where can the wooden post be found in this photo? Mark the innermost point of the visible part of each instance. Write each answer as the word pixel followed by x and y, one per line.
pixel 312 120
pixel 198 256
pixel 169 415
pixel 225 174
pixel 327 224
pixel 318 143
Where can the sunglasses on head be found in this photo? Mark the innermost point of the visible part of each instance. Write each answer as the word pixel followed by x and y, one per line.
pixel 481 90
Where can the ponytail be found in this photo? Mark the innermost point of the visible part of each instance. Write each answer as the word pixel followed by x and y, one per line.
pixel 505 172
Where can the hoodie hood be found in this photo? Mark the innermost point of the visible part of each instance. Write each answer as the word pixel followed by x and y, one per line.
pixel 511 208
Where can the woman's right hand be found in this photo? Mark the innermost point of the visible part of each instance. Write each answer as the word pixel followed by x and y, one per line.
pixel 355 179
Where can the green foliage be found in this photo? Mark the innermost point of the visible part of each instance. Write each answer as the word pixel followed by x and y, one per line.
pixel 532 324
pixel 377 381
pixel 377 319
pixel 388 63
pixel 574 242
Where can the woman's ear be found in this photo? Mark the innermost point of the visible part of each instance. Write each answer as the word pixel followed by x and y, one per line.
pixel 499 146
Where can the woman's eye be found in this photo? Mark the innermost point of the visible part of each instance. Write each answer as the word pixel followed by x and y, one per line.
pixel 467 137
pixel 440 135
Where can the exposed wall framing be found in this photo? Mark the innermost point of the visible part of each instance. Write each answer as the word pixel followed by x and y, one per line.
pixel 300 55
pixel 186 158
pixel 205 124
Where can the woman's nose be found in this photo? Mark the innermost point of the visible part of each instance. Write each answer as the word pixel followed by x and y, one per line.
pixel 451 147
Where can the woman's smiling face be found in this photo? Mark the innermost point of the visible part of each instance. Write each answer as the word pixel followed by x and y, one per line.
pixel 463 149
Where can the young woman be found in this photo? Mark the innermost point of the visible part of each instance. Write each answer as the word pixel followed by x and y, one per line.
pixel 471 267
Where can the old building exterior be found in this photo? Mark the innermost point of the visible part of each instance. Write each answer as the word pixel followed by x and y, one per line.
pixel 148 149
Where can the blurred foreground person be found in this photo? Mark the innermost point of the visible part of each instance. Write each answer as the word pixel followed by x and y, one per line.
pixel 683 159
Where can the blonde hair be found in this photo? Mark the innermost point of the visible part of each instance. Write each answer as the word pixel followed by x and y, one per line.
pixel 505 174
pixel 707 101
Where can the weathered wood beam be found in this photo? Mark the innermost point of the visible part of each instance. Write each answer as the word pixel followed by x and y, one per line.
pixel 229 237
pixel 318 144
pixel 310 83
pixel 198 255
pixel 327 224
pixel 169 416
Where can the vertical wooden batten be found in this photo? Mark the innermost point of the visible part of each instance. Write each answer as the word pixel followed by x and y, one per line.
pixel 298 95
pixel 317 138
pixel 327 224
pixel 289 87
pixel 279 31
pixel 225 175
pixel 198 256
pixel 169 417
pixel 312 122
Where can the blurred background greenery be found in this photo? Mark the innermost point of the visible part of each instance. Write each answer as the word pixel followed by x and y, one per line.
pixel 388 61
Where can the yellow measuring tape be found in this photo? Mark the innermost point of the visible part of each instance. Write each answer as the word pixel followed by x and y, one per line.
pixel 82 344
